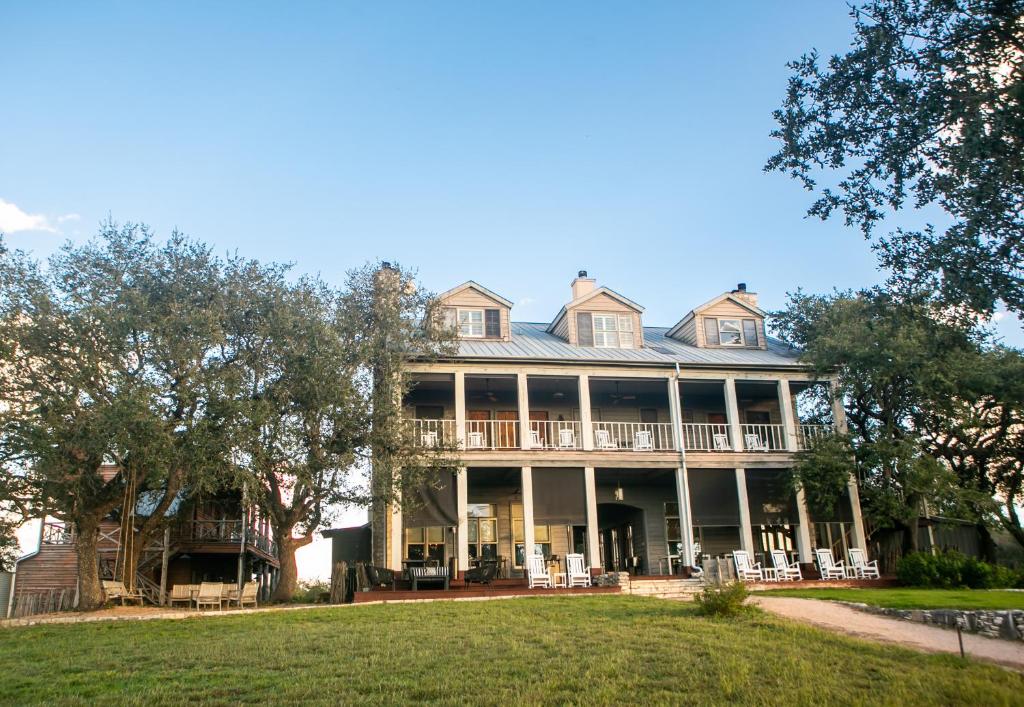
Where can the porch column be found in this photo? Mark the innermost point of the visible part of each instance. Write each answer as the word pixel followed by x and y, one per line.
pixel 746 532
pixel 732 413
pixel 527 484
pixel 593 544
pixel 675 410
pixel 586 427
pixel 838 411
pixel 460 408
pixel 523 397
pixel 859 538
pixel 803 529
pixel 396 533
pixel 685 519
pixel 462 509
pixel 788 415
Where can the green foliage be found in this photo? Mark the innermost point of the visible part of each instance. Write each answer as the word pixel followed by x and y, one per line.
pixel 311 591
pixel 722 599
pixel 952 570
pixel 824 471
pixel 925 109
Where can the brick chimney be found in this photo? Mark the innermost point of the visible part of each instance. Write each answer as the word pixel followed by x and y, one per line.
pixel 582 285
pixel 742 293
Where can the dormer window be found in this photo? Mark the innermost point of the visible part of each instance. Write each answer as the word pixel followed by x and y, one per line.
pixel 613 331
pixel 719 331
pixel 471 323
pixel 729 332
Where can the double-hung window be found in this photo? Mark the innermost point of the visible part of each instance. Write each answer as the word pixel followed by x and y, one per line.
pixel 730 332
pixel 613 331
pixel 471 323
pixel 425 543
pixel 482 531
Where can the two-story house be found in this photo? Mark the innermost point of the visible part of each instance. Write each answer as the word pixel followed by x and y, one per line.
pixel 649 449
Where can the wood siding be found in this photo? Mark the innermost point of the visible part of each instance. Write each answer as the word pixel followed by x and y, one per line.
pixel 726 309
pixel 472 299
pixel 601 304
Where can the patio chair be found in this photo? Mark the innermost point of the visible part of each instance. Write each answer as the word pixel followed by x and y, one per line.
pixel 380 576
pixel 827 566
pixel 862 569
pixel 722 443
pixel 117 590
pixel 484 573
pixel 754 443
pixel 566 439
pixel 181 593
pixel 784 569
pixel 210 594
pixel 475 440
pixel 746 571
pixel 577 573
pixel 437 575
pixel 603 440
pixel 428 439
pixel 537 574
pixel 535 442
pixel 248 594
pixel 643 441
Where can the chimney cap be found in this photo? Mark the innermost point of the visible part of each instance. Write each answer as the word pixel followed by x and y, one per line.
pixel 581 273
pixel 741 287
pixel 386 265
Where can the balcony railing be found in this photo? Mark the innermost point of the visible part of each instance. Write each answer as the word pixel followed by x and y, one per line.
pixel 434 433
pixel 57 534
pixel 555 434
pixel 225 531
pixel 706 437
pixel 634 436
pixel 807 435
pixel 764 438
pixel 492 434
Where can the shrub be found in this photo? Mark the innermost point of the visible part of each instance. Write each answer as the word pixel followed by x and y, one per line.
pixel 722 599
pixel 952 570
pixel 310 591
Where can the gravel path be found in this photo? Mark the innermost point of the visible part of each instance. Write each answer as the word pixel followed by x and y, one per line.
pixel 837 617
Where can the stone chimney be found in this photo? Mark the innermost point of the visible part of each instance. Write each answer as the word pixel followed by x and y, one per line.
pixel 742 293
pixel 582 285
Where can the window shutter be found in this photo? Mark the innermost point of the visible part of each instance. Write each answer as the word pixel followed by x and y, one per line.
pixel 711 331
pixel 492 322
pixel 449 318
pixel 584 329
pixel 750 332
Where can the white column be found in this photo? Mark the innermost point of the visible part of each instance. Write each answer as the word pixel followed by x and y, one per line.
pixel 675 410
pixel 803 530
pixel 838 411
pixel 859 539
pixel 587 429
pixel 685 518
pixel 527 484
pixel 732 413
pixel 746 532
pixel 523 396
pixel 593 543
pixel 460 408
pixel 788 415
pixel 397 534
pixel 462 507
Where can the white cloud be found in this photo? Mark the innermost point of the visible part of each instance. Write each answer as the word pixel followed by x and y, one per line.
pixel 68 217
pixel 13 219
pixel 525 302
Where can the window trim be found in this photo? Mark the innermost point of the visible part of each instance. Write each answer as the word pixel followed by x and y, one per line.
pixel 471 310
pixel 616 333
pixel 739 331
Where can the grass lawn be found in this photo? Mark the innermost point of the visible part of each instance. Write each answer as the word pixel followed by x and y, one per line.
pixel 909 598
pixel 594 650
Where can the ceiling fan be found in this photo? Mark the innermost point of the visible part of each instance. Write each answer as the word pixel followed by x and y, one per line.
pixel 617 397
pixel 487 394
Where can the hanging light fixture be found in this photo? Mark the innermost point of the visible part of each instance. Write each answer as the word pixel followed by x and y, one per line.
pixel 619 493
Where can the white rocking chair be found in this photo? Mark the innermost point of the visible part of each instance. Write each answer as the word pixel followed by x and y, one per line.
pixel 428 439
pixel 754 443
pixel 475 440
pixel 722 443
pixel 784 569
pixel 566 439
pixel 537 574
pixel 603 440
pixel 862 569
pixel 577 573
pixel 827 566
pixel 746 571
pixel 643 441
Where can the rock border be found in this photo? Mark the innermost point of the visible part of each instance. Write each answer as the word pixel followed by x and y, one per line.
pixel 1007 624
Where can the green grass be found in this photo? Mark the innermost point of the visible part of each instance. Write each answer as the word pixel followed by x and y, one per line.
pixel 555 650
pixel 914 598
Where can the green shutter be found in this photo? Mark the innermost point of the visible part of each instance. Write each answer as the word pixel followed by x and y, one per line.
pixel 584 329
pixel 711 332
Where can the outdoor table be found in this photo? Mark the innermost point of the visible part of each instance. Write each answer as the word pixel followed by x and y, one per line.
pixel 770 574
pixel 559 580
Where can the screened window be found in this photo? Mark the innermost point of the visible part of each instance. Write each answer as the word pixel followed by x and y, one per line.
pixel 471 323
pixel 730 332
pixel 613 331
pixel 425 543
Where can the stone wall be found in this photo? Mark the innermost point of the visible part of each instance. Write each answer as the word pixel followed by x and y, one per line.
pixel 1008 624
pixel 613 579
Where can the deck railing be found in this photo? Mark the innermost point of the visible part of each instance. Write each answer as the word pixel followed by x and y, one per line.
pixel 226 531
pixel 706 437
pixel 434 433
pixel 555 434
pixel 492 434
pixel 764 438
pixel 807 435
pixel 57 534
pixel 634 436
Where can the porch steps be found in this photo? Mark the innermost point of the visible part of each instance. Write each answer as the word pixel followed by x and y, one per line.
pixel 668 588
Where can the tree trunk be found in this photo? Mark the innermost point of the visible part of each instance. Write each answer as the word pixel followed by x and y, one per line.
pixel 986 544
pixel 288 580
pixel 90 592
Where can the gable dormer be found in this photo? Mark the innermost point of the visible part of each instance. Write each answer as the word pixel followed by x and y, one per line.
pixel 730 321
pixel 476 312
pixel 599 317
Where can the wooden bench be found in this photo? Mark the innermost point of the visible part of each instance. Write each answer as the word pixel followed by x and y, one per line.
pixel 428 574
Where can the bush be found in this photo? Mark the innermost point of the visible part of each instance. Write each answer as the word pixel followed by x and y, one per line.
pixel 952 570
pixel 311 591
pixel 722 599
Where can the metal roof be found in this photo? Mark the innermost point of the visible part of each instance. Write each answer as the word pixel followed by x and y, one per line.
pixel 531 341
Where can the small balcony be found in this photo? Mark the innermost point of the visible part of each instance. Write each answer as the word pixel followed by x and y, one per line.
pixel 633 437
pixel 764 438
pixel 555 434
pixel 807 435
pixel 706 437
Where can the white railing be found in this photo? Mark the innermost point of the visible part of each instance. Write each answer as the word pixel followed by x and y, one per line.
pixel 432 433
pixel 706 437
pixel 492 434
pixel 763 438
pixel 555 434
pixel 633 436
pixel 806 435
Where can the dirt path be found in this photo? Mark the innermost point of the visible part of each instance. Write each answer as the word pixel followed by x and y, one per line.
pixel 837 617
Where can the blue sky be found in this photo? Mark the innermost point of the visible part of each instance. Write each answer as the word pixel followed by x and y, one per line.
pixel 511 143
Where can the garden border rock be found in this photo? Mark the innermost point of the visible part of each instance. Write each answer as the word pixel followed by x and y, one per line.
pixel 1003 623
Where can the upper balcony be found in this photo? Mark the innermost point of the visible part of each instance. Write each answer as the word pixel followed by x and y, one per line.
pixel 625 414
